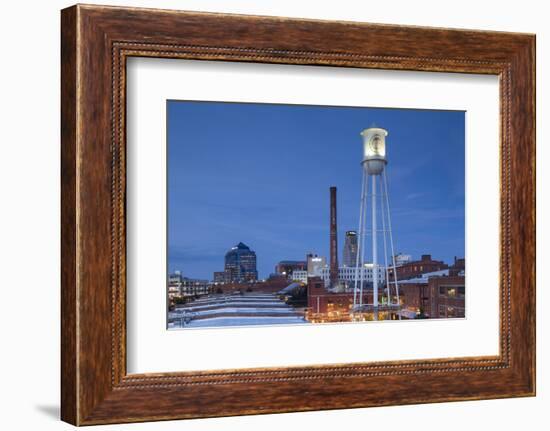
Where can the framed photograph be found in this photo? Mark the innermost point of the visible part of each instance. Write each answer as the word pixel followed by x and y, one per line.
pixel 265 215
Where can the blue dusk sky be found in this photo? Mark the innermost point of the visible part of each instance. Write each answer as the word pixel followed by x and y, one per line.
pixel 260 174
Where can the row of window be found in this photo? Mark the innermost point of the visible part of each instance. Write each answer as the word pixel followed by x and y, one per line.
pixel 446 311
pixel 452 291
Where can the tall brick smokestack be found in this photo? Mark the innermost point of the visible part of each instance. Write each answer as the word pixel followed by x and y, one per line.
pixel 333 274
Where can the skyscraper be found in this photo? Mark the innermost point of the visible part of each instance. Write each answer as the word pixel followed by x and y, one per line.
pixel 240 264
pixel 350 248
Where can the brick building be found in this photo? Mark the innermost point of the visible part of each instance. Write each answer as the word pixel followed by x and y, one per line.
pixel 184 287
pixel 326 306
pixel 415 296
pixel 287 267
pixel 416 268
pixel 447 296
pixel 440 294
pixel 271 285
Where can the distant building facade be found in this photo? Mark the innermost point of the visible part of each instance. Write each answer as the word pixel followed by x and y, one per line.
pixel 180 287
pixel 174 285
pixel 328 306
pixel 287 267
pixel 448 297
pixel 346 275
pixel 350 249
pixel 402 259
pixel 194 287
pixel 299 275
pixel 458 267
pixel 240 265
pixel 219 277
pixel 315 264
pixel 412 269
pixel 415 295
pixel 321 301
pixel 270 285
pixel 438 294
pixel 175 277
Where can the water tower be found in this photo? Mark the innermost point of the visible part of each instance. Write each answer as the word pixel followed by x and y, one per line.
pixel 380 234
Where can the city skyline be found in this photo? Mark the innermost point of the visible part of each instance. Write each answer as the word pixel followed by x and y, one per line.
pixel 260 173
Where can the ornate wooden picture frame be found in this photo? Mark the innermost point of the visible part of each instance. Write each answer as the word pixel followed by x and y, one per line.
pixel 96 41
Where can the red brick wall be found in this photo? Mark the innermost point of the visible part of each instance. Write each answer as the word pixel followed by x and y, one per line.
pixel 450 302
pixel 415 296
pixel 418 267
pixel 448 297
pixel 320 300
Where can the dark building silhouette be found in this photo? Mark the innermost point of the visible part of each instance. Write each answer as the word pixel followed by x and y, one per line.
pixel 333 239
pixel 350 249
pixel 240 264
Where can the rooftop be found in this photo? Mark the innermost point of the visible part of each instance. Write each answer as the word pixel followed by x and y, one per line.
pixel 423 278
pixel 240 246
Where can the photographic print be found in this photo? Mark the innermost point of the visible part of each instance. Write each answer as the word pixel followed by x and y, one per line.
pixel 296 214
pixel 292 214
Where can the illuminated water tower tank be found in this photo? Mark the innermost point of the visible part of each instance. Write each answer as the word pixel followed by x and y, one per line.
pixel 380 234
pixel 374 150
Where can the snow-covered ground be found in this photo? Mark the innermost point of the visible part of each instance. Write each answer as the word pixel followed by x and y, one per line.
pixel 239 321
pixel 258 305
pixel 234 310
